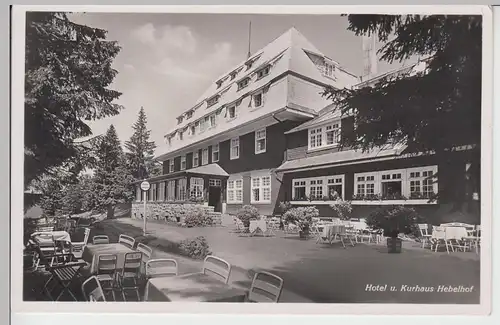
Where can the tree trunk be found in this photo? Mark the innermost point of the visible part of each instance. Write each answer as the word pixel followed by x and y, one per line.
pixel 111 211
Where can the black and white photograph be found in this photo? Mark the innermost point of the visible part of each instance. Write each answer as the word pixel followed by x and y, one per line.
pixel 252 157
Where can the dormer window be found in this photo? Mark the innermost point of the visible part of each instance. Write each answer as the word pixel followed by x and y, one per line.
pixel 263 72
pixel 329 69
pixel 219 83
pixel 233 74
pixel 189 114
pixel 181 134
pixel 324 136
pixel 212 101
pixel 243 83
pixel 179 119
pixel 231 112
pixel 250 62
pixel 193 130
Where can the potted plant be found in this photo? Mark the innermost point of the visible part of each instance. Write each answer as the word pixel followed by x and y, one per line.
pixel 246 214
pixel 302 218
pixel 393 221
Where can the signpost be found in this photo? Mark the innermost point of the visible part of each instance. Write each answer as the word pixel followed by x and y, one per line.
pixel 145 188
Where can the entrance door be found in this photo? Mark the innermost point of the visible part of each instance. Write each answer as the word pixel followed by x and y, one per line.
pixel 214 194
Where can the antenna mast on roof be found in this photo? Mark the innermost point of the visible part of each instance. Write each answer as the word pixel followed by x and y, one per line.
pixel 369 56
pixel 249 39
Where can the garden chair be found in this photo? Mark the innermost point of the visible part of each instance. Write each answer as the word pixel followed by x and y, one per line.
pixel 456 238
pixel 127 241
pixel 100 239
pixel 439 239
pixel 266 287
pixel 77 248
pixel 161 267
pixel 147 252
pixel 128 279
pixel 271 227
pixel 424 234
pixel 96 294
pixel 106 272
pixel 217 268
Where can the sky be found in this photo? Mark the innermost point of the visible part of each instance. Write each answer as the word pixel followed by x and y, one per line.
pixel 168 60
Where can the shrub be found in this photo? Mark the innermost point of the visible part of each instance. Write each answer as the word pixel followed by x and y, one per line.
pixel 196 216
pixel 195 247
pixel 301 216
pixel 396 219
pixel 342 208
pixel 247 213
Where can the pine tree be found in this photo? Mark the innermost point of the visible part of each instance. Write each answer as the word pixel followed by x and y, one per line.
pixel 436 111
pixel 112 181
pixel 140 155
pixel 68 73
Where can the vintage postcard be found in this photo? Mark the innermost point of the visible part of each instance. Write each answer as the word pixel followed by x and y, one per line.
pixel 195 159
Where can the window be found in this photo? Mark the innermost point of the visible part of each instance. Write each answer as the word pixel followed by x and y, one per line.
pixel 233 74
pixel 196 158
pixel 243 83
pixel 181 189
pixel 189 114
pixel 329 69
pixel 235 191
pixel 235 148
pixel 260 141
pixel 335 188
pixel 204 156
pixel 181 135
pixel 299 190
pixel 212 121
pixel 215 153
pixel 203 125
pixel 316 189
pixel 179 119
pixel 183 162
pixel 193 130
pixel 196 187
pixel 325 136
pixel 212 101
pixel 263 72
pixel 172 166
pixel 261 189
pixel 219 83
pixel 258 99
pixel 401 184
pixel 171 190
pixel 215 182
pixel 231 112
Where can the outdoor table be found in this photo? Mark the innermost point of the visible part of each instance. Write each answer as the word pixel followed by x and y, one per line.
pixel 330 231
pixel 193 287
pixel 95 250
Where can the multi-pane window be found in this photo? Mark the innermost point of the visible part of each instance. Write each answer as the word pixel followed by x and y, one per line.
pixel 392 185
pixel 215 153
pixel 260 141
pixel 189 114
pixel 196 187
pixel 258 99
pixel 235 191
pixel 261 189
pixel 204 156
pixel 193 130
pixel 181 135
pixel 181 189
pixel 243 83
pixel 231 112
pixel 299 190
pixel 172 166
pixel 235 148
pixel 203 125
pixel 263 72
pixel 316 189
pixel 171 190
pixel 196 158
pixel 212 120
pixel 421 184
pixel 214 182
pixel 325 136
pixel 335 187
pixel 315 138
pixel 212 101
pixel 183 162
pixel 365 185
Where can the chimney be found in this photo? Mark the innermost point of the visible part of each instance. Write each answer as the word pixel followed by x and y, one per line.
pixel 369 56
pixel 249 39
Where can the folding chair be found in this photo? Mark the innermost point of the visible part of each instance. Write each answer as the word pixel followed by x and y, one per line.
pixel 217 268
pixel 127 241
pixel 62 275
pixel 161 267
pixel 100 239
pixel 147 252
pixel 438 238
pixel 128 279
pixel 77 248
pixel 106 272
pixel 97 294
pixel 266 287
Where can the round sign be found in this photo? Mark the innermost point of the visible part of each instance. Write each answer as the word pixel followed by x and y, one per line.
pixel 145 186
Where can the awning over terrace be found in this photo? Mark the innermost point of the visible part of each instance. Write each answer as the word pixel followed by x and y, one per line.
pixel 339 158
